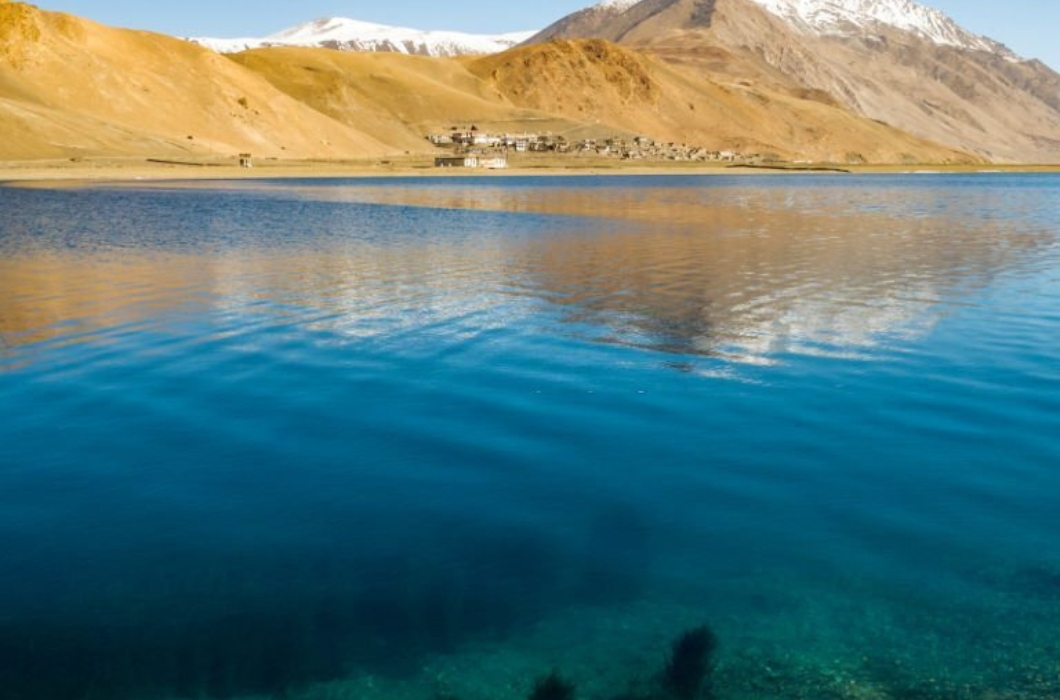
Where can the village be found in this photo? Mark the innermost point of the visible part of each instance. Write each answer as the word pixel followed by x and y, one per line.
pixel 474 148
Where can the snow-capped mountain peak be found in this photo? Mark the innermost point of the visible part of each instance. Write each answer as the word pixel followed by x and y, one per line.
pixel 354 35
pixel 846 16
pixel 615 5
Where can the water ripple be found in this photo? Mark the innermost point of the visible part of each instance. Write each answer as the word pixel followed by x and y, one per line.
pixel 259 434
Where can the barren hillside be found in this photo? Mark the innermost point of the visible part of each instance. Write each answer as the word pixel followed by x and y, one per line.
pixel 602 82
pixel 396 98
pixel 71 87
pixel 975 100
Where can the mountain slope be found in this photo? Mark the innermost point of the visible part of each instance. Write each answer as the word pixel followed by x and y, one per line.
pixel 891 60
pixel 394 97
pixel 603 82
pixel 352 35
pixel 596 88
pixel 70 87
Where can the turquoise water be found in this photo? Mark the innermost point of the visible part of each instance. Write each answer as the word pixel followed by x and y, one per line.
pixel 437 437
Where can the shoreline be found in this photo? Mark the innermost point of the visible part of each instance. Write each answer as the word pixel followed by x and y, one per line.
pixel 57 172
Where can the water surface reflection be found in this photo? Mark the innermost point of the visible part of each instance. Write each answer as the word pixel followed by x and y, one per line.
pixel 737 272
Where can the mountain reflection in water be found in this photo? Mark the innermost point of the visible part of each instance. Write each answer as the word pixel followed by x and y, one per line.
pixel 737 273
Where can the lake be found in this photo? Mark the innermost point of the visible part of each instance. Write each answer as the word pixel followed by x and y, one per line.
pixel 437 438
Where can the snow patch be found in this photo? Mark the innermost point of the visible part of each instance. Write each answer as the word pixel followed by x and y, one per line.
pixel 847 17
pixel 354 35
pixel 616 5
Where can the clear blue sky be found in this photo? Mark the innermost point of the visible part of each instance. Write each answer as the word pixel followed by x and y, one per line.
pixel 1029 27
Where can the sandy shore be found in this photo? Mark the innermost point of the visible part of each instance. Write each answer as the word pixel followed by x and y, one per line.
pixel 54 172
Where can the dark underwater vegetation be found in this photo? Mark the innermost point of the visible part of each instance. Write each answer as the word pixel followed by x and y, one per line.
pixel 270 626
pixel 552 687
pixel 691 663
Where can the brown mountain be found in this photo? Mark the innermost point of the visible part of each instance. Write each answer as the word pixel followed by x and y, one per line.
pixel 396 98
pixel 974 99
pixel 583 88
pixel 605 83
pixel 70 87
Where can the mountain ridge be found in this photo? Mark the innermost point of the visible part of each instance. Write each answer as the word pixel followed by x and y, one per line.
pixel 833 16
pixel 345 34
pixel 70 87
pixel 988 102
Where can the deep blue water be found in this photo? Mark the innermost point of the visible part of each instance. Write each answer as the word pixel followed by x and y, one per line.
pixel 263 435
